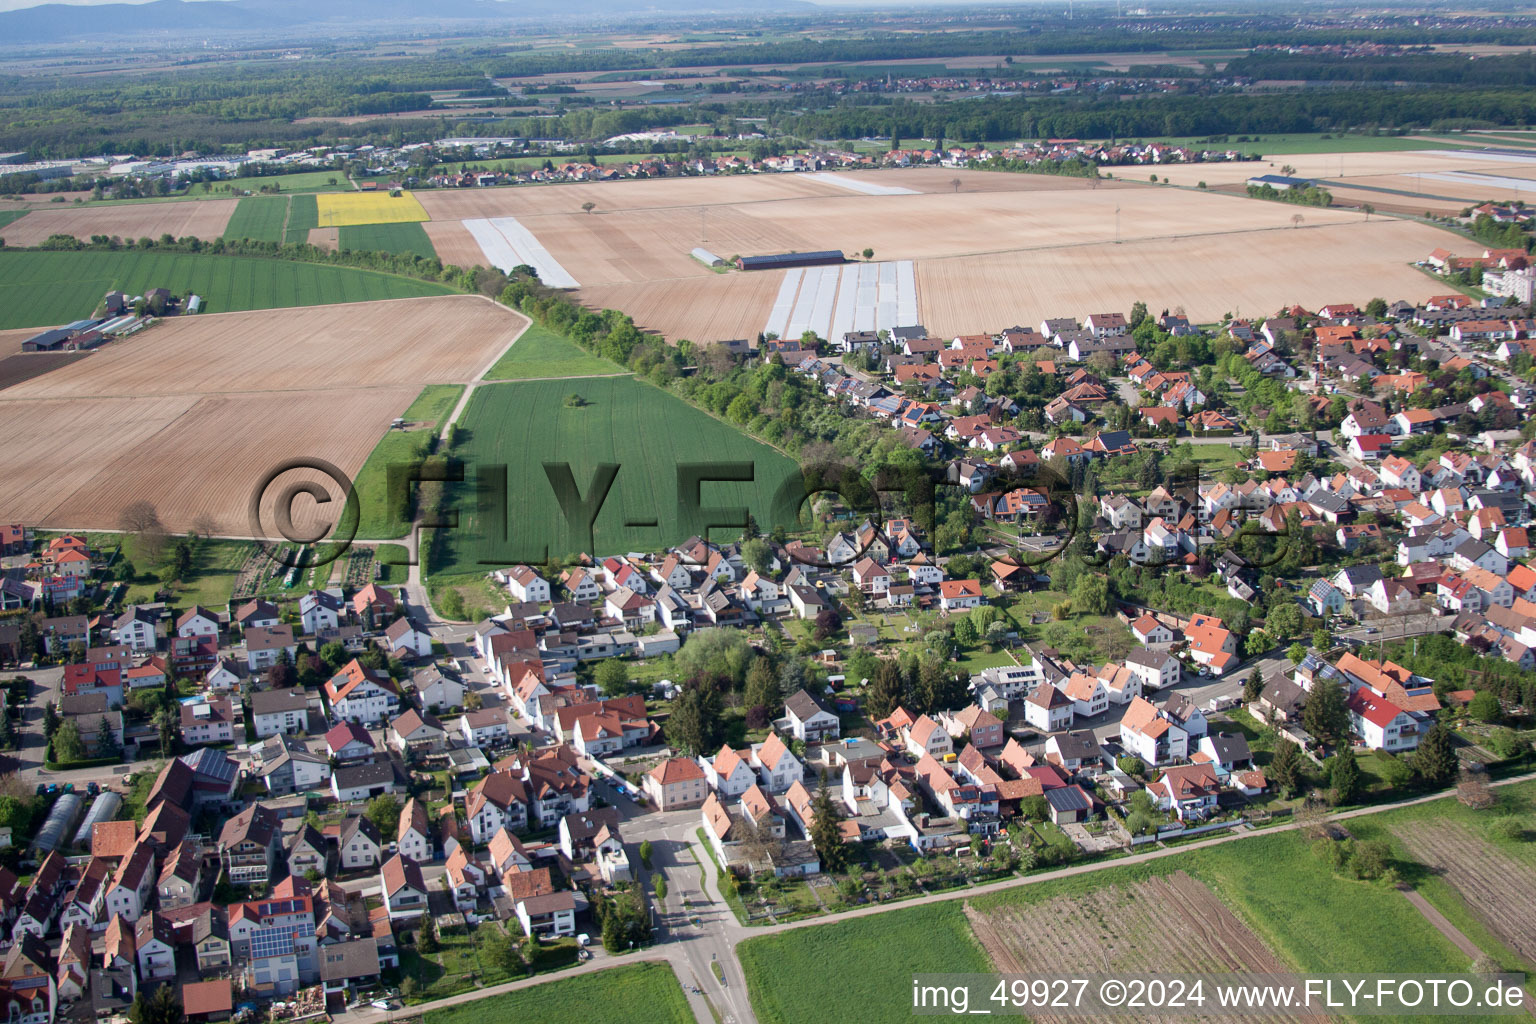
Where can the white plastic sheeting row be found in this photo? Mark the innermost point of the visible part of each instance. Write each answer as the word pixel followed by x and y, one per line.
pixel 854 183
pixel 506 243
pixel 833 301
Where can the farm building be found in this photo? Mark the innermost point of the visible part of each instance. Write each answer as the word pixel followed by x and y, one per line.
pixel 707 258
pixel 785 260
pixel 1279 182
pixel 47 341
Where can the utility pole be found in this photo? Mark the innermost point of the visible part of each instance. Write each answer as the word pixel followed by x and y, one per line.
pixel 1117 223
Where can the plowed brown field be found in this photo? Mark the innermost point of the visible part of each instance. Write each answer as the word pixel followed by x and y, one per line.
pixel 715 307
pixel 454 244
pixel 193 412
pixel 324 238
pixel 1250 273
pixel 1172 925
pixel 204 218
pixel 1498 889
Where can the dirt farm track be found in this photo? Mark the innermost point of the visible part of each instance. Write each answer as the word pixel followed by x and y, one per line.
pixel 195 411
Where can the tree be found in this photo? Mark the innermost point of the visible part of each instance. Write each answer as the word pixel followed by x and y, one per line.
pixel 695 722
pixel 965 632
pixel 166 722
pixel 1435 760
pixel 1325 715
pixel 955 184
pixel 645 853
pixel 1090 595
pixel 426 939
pixel 67 745
pixel 1297 652
pixel 1257 643
pixel 659 883
pixel 826 836
pixel 762 688
pixel 757 554
pixel 106 741
pixel 1285 767
pixel 1322 640
pixel 161 1007
pixel 869 253
pixel 611 677
pixel 1484 707
pixel 588 206
pixel 1343 776
pixel 1130 764
pixel 1284 620
pixel 1297 220
pixel 1254 686
pixel 384 812
pixel 887 691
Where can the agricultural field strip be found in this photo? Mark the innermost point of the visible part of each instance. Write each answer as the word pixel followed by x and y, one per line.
pixel 784 302
pixel 349 209
pixel 1173 924
pixel 507 243
pixel 1497 888
pixel 854 297
pixel 1475 178
pixel 861 185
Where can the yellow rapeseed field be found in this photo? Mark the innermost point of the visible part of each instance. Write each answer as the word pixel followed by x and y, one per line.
pixel 346 209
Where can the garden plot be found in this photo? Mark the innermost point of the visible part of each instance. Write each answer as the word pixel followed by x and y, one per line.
pixel 506 244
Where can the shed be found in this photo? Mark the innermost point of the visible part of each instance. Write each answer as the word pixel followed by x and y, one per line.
pixel 785 260
pixel 707 258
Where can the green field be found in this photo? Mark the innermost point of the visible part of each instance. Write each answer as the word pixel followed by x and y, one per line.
pixel 1313 918
pixel 434 404
pixel 400 447
pixel 303 214
pixel 540 352
pixel 299 181
pixel 406 237
pixel 42 288
pixel 259 218
pixel 1297 142
pixel 11 216
pixel 640 993
pixel 646 432
pixel 791 980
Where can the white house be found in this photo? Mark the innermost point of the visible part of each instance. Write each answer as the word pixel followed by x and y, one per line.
pixel 1380 724
pixel 1147 734
pixel 1048 709
pixel 526 585
pixel 777 768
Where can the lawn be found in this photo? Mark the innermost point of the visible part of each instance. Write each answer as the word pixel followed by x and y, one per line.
pixel 42 288
pixel 540 352
pixel 11 216
pixel 650 437
pixel 215 564
pixel 396 238
pixel 303 214
pixel 640 993
pixel 791 978
pixel 259 218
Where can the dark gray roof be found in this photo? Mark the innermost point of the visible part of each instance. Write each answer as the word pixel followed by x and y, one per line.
pixel 803 705
pixel 1230 747
pixel 341 961
pixel 1078 746
pixel 271 702
pixel 371 773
